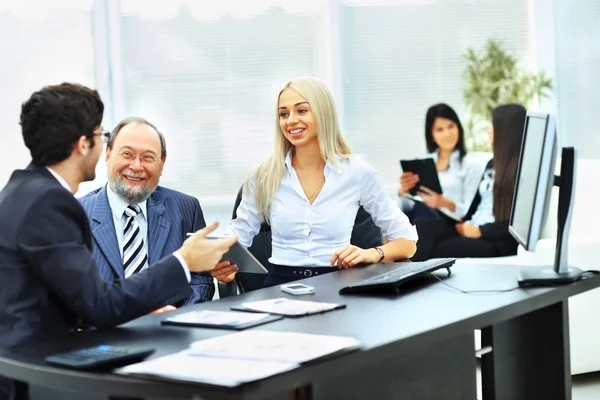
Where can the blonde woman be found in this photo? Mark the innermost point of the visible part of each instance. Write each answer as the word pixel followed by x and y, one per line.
pixel 309 191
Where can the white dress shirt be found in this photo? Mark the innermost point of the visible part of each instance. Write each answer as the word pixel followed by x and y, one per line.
pixel 117 207
pixel 120 225
pixel 485 210
pixel 60 179
pixel 459 183
pixel 307 235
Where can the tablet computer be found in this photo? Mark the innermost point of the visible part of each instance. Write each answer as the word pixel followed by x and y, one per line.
pixel 425 168
pixel 241 256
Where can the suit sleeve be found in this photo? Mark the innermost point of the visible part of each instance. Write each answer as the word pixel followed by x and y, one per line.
pixel 52 242
pixel 495 230
pixel 203 288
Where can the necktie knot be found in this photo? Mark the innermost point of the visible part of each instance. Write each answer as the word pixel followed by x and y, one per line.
pixel 132 210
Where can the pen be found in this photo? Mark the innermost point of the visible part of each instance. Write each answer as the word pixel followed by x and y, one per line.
pixel 208 237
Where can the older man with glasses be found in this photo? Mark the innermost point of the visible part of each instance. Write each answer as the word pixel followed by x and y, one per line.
pixel 134 220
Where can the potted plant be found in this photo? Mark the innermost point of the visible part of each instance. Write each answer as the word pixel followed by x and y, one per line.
pixel 493 77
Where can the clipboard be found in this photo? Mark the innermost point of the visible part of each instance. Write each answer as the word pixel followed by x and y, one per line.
pixel 428 176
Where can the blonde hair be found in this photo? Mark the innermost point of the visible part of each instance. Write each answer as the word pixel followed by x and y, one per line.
pixel 269 174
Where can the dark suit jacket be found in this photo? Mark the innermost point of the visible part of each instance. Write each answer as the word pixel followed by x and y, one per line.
pixel 497 232
pixel 171 215
pixel 48 278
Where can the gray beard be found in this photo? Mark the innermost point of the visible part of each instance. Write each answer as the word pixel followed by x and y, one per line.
pixel 130 194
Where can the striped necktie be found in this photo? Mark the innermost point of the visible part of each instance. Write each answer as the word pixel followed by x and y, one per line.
pixel 134 255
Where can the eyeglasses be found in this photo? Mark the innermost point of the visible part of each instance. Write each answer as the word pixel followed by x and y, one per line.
pixel 147 159
pixel 104 136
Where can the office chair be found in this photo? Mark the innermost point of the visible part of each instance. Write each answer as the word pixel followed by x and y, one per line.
pixel 365 234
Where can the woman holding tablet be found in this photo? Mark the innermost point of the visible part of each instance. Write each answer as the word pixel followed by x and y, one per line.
pixel 458 173
pixel 485 232
pixel 309 191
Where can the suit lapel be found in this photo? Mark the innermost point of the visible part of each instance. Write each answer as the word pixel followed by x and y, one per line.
pixel 158 228
pixel 103 230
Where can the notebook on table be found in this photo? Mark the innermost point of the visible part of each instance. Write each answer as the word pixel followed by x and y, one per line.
pixel 234 320
pixel 241 357
pixel 288 307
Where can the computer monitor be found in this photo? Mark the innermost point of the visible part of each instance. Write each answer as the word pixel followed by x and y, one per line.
pixel 535 179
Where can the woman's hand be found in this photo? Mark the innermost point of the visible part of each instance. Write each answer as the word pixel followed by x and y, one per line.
pixel 224 271
pixel 435 200
pixel 408 180
pixel 350 256
pixel 468 231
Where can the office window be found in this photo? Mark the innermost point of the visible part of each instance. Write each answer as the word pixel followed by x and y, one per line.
pixel 578 74
pixel 41 43
pixel 399 57
pixel 207 73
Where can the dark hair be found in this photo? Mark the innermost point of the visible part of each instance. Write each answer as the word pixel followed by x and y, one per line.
pixel 136 120
pixel 508 121
pixel 443 110
pixel 55 117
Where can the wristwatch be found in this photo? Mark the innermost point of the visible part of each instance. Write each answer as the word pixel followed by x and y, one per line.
pixel 381 253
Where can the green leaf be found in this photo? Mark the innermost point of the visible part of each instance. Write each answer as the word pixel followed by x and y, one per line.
pixel 492 77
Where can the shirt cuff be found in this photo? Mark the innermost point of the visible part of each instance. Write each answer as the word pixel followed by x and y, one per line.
pixel 184 265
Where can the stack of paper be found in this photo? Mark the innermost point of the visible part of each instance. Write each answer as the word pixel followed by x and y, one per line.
pixel 292 347
pixel 231 360
pixel 288 307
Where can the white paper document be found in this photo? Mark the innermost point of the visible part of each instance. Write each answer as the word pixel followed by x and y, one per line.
pixel 273 346
pixel 231 360
pixel 186 367
pixel 290 307
pixel 218 318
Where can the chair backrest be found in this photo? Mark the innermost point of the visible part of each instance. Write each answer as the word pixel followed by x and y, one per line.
pixel 365 234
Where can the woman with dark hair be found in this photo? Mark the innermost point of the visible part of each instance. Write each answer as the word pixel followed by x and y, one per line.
pixel 485 232
pixel 458 174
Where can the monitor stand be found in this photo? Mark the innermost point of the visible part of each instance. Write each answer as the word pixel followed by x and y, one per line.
pixel 561 273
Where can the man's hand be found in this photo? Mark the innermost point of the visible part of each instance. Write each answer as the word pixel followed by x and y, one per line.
pixel 164 309
pixel 350 255
pixel 202 254
pixel 468 231
pixel 225 271
pixel 408 180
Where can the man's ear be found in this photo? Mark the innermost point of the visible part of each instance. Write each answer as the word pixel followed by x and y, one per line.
pixel 82 146
pixel 163 159
pixel 108 153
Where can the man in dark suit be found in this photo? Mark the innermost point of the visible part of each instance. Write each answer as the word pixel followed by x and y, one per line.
pixel 49 282
pixel 135 156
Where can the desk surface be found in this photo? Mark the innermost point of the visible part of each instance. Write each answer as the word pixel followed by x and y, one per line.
pixel 422 314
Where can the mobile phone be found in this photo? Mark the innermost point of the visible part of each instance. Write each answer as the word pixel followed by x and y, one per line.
pixel 297 289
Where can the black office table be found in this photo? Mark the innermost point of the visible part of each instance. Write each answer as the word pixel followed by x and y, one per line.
pixel 417 345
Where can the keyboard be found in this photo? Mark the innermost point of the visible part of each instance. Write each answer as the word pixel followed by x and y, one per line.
pixel 392 280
